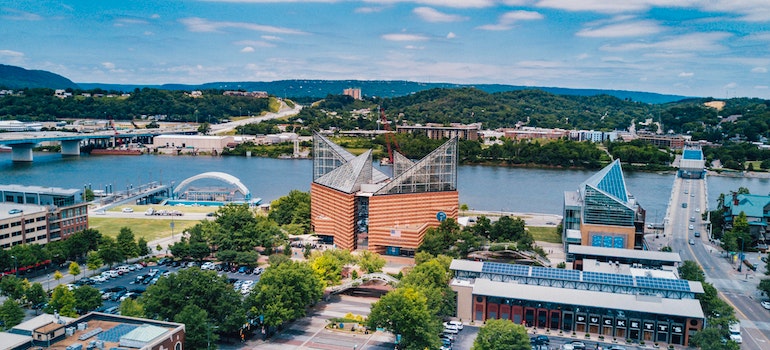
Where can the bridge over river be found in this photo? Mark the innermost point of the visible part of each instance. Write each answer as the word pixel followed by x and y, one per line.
pixel 22 143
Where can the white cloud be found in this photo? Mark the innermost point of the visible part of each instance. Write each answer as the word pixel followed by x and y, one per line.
pixel 404 37
pixel 197 24
pixel 582 56
pixel 247 49
pixel 108 65
pixel 442 3
pixel 253 43
pixel 432 15
pixel 759 70
pixel 368 9
pixel 508 19
pixel 687 42
pixel 120 22
pixel 155 16
pixel 731 85
pixel 619 30
pixel 270 37
pixel 17 15
pixel 413 47
pixel 686 74
pixel 10 56
pixel 451 35
pixel 761 87
pixel 605 6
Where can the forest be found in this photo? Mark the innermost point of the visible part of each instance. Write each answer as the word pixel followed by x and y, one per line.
pixel 41 105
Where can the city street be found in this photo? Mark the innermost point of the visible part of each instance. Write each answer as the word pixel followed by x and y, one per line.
pixel 739 289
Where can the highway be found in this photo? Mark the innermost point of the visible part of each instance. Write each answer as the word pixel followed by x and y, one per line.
pixel 285 111
pixel 739 289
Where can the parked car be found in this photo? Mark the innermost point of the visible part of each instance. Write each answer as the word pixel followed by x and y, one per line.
pixel 578 345
pixel 113 310
pixel 207 266
pixel 259 270
pixel 244 269
pixel 692 242
pixel 128 210
pixel 697 234
pixel 765 304
pixel 541 339
pixel 456 324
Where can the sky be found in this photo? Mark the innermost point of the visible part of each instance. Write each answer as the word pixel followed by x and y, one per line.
pixel 707 48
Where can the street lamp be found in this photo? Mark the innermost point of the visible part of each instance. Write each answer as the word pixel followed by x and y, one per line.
pixel 15 265
pixel 740 256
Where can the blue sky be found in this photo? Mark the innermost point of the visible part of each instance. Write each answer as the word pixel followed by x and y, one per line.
pixel 718 48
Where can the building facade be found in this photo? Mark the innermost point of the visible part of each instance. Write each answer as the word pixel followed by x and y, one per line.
pixel 757 210
pixel 602 213
pixel 622 306
pixel 354 205
pixel 440 131
pixel 39 215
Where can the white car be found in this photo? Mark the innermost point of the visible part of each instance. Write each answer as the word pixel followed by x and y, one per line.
pixel 112 273
pixel 207 266
pixel 128 210
pixel 455 324
pixel 691 227
pixel 765 304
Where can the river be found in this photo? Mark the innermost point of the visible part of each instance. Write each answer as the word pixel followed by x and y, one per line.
pixel 481 187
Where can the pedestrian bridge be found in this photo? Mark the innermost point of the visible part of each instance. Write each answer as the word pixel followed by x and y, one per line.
pixel 357 282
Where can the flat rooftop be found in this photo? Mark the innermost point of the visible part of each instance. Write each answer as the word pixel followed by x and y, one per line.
pixel 6 209
pixel 40 189
pixel 114 328
pixel 584 250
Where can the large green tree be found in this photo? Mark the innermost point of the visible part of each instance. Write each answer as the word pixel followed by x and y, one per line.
pixel 131 308
pixel 405 311
pixel 502 335
pixel 36 295
pixel 62 301
pixel 293 208
pixel 204 289
pixel 198 330
pixel 11 313
pixel 12 287
pixel 74 270
pixel 87 298
pixel 127 243
pixel 284 292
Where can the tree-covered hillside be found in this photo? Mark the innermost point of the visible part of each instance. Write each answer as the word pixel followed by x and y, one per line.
pixel 12 77
pixel 212 106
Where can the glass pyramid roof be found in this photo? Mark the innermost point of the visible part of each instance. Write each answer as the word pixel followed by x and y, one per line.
pixel 610 180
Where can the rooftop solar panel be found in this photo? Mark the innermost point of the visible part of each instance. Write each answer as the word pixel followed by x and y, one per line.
pixel 505 269
pixel 663 283
pixel 559 274
pixel 608 278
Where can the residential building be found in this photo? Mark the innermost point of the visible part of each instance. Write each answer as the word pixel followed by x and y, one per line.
pixel 602 213
pixel 670 141
pixel 352 92
pixel 607 299
pixel 437 131
pixel 192 143
pixel 532 133
pixel 354 205
pixel 757 210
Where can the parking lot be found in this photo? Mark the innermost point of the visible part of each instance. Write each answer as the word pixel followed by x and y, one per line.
pixel 136 282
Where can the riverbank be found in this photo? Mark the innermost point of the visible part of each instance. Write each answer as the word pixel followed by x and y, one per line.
pixel 735 173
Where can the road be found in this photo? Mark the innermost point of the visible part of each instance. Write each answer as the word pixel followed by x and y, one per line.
pixel 739 289
pixel 284 111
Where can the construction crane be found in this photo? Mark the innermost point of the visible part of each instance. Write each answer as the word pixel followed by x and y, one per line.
pixel 390 137
pixel 118 141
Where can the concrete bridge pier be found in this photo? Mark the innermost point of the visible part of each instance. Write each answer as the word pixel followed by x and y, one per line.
pixel 70 148
pixel 22 152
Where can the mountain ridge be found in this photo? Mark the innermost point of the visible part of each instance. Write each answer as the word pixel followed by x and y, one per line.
pixel 14 77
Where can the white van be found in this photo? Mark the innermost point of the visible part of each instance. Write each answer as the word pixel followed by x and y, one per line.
pixel 122 269
pixel 735 332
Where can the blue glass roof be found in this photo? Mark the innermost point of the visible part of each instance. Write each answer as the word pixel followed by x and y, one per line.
pixel 113 335
pixel 505 269
pixel 663 283
pixel 613 183
pixel 695 154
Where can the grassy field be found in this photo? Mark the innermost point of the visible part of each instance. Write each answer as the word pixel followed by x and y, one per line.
pixel 150 229
pixel 143 208
pixel 544 234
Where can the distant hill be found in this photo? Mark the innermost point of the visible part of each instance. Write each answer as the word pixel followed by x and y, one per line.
pixel 12 77
pixel 382 88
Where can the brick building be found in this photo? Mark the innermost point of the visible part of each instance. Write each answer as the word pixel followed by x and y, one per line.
pixel 354 205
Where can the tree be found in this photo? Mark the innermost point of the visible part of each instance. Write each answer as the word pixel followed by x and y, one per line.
pixel 109 251
pixel 57 276
pixel 370 262
pixel 204 289
pixel 87 298
pixel 11 314
pixel 204 128
pixel 74 270
pixel 764 286
pixel 89 194
pixel 690 271
pixel 293 208
pixel 327 266
pixel 502 335
pixel 710 338
pixel 62 301
pixel 131 308
pixel 284 292
pixel 127 243
pixel 143 248
pixel 198 330
pixel 36 295
pixel 12 287
pixel 94 261
pixel 405 311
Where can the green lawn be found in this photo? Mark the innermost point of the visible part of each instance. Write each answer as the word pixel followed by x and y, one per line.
pixel 544 234
pixel 143 208
pixel 150 229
